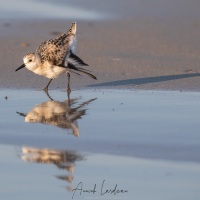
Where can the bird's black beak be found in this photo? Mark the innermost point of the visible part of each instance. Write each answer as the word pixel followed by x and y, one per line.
pixel 22 66
pixel 21 114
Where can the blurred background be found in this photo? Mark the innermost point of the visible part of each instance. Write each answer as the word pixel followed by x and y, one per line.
pixel 95 9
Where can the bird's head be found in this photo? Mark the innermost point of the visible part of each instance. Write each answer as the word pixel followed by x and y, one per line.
pixel 31 62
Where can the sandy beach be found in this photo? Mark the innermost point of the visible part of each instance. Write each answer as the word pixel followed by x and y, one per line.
pixel 143 49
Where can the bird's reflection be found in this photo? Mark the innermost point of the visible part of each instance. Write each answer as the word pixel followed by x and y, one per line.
pixel 61 114
pixel 64 160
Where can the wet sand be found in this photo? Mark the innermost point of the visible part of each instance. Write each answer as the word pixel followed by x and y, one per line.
pixel 143 47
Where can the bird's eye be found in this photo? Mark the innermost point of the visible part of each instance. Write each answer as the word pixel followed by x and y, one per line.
pixel 30 60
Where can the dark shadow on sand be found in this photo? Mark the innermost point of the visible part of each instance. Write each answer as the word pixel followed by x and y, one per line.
pixel 146 80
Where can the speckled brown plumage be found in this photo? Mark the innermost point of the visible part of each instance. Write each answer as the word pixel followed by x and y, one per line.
pixel 55 50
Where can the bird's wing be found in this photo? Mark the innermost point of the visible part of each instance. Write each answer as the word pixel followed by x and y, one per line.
pixel 55 50
pixel 75 60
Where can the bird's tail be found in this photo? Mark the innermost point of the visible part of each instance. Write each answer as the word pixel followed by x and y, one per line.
pixel 72 30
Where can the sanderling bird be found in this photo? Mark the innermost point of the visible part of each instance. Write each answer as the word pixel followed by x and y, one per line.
pixel 55 57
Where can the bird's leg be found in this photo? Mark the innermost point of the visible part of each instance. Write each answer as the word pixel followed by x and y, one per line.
pixel 68 85
pixel 47 93
pixel 46 88
pixel 68 88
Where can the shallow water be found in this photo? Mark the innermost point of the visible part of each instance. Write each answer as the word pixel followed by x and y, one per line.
pixel 144 144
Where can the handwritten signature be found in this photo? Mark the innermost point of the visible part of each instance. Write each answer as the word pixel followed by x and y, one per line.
pixel 94 190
